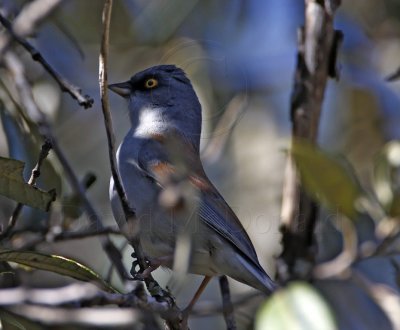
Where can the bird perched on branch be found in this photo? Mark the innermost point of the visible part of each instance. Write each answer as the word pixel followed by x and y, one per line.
pixel 161 147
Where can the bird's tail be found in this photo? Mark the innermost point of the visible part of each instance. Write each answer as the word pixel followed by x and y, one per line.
pixel 255 276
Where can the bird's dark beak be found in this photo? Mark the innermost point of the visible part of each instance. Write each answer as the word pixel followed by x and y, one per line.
pixel 123 89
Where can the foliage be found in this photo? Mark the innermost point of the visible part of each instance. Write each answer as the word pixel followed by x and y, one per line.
pixel 350 275
pixel 327 179
pixel 298 306
pixel 335 185
pixel 55 264
pixel 13 186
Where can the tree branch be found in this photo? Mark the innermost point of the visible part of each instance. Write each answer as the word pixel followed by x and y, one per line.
pixel 36 115
pixel 28 19
pixel 50 236
pixel 227 303
pixel 87 294
pixel 152 285
pixel 55 306
pixel 318 44
pixel 44 151
pixel 84 100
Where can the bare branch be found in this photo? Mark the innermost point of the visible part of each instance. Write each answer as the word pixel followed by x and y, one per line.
pixel 54 235
pixel 36 115
pixel 94 317
pixel 393 76
pixel 318 44
pixel 79 294
pixel 389 243
pixel 88 294
pixel 63 236
pixel 341 263
pixel 152 285
pixel 27 21
pixel 51 297
pixel 84 100
pixel 103 59
pixel 227 303
pixel 44 151
pixel 332 5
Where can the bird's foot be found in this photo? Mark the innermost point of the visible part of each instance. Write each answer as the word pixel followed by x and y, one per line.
pixel 141 276
pixel 152 264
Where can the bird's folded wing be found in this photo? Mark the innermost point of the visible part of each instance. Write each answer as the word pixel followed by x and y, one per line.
pixel 213 209
pixel 216 213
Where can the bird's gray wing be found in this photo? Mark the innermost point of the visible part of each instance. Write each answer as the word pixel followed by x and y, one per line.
pixel 213 209
pixel 217 214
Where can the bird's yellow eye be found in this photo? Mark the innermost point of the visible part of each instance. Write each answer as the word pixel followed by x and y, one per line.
pixel 151 83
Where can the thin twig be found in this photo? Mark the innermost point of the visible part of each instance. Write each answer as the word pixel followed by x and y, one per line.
pixel 63 236
pixel 73 293
pixel 49 236
pixel 386 297
pixel 391 241
pixel 111 267
pixel 36 115
pixel 88 294
pixel 95 318
pixel 93 217
pixel 83 295
pixel 27 21
pixel 44 151
pixel 393 76
pixel 342 262
pixel 79 294
pixel 152 285
pixel 84 100
pixel 103 59
pixel 227 303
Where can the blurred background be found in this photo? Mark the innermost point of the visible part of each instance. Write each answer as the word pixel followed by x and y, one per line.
pixel 240 56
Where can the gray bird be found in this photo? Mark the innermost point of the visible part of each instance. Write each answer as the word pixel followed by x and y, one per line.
pixel 163 105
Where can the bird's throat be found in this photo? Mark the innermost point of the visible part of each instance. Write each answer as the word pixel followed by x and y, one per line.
pixel 150 121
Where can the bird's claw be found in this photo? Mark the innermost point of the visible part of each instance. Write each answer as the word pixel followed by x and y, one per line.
pixel 151 265
pixel 133 270
pixel 138 277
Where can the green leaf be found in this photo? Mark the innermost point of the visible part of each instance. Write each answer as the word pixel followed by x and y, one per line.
pixel 12 185
pixel 386 178
pixel 327 179
pixel 394 209
pixel 55 264
pixel 299 306
pixel 11 321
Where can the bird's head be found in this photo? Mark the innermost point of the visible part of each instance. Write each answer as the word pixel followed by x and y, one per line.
pixel 161 98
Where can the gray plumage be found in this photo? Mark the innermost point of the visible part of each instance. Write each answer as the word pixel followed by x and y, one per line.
pixel 163 105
